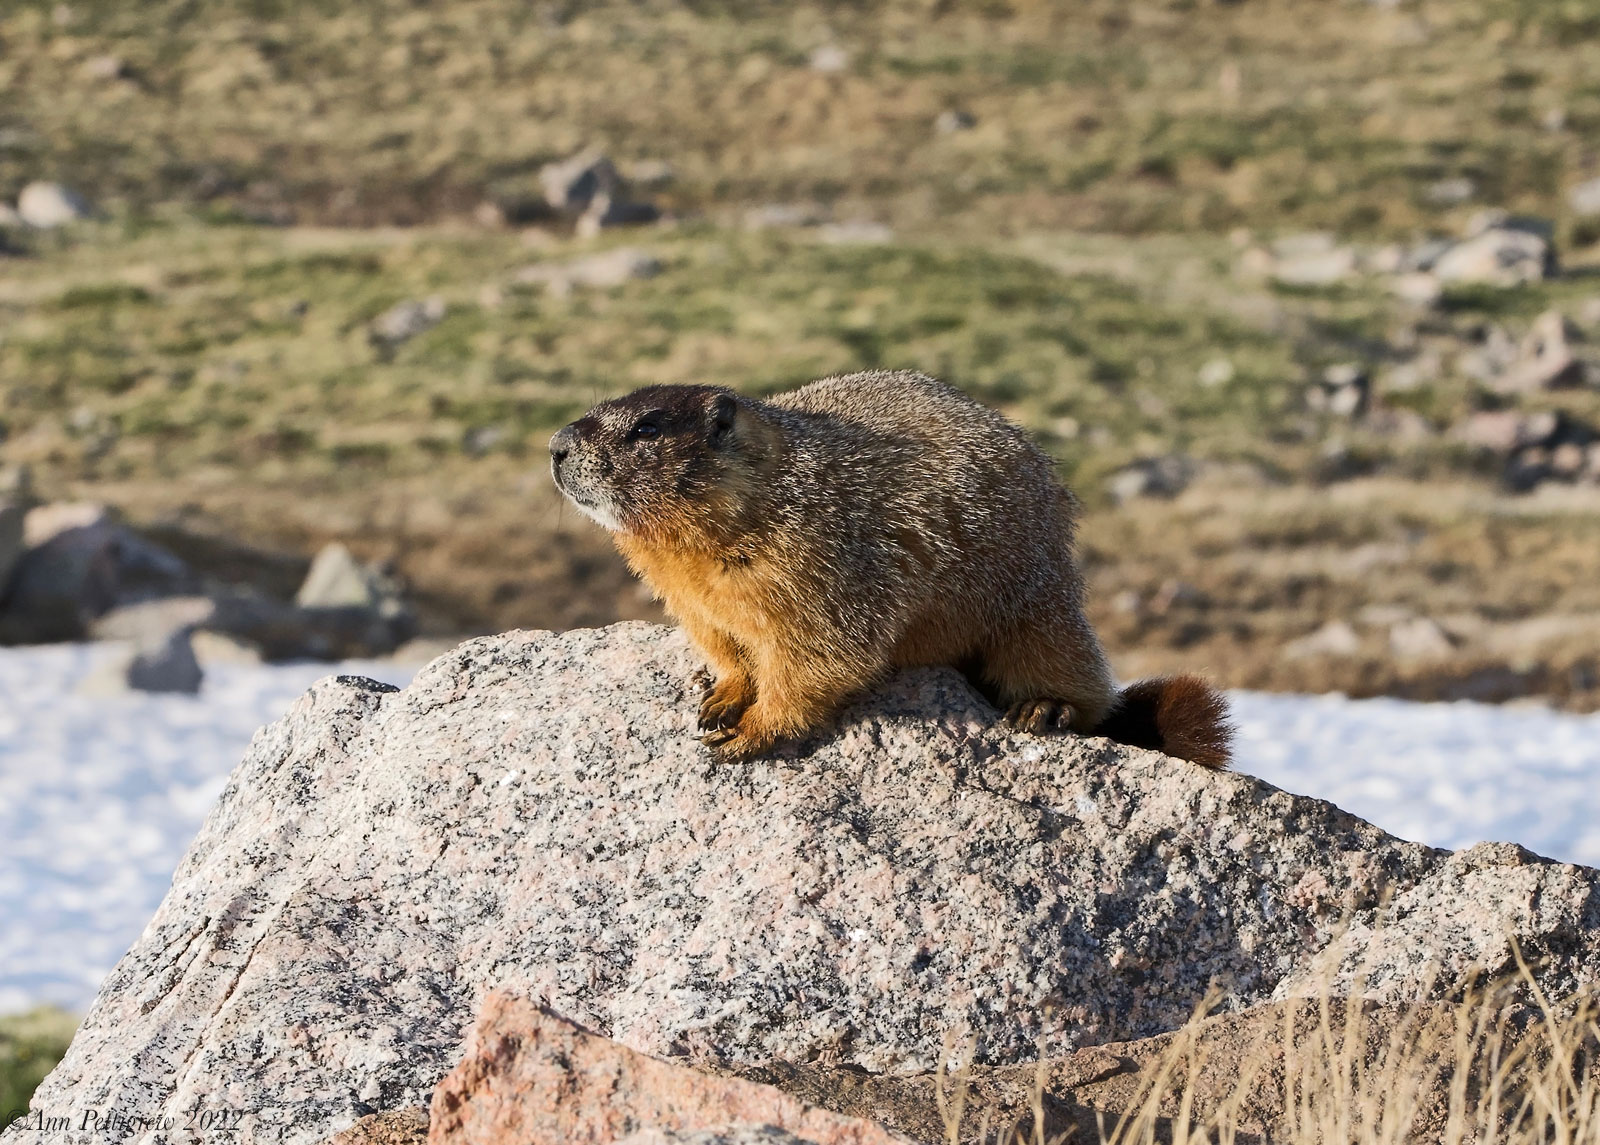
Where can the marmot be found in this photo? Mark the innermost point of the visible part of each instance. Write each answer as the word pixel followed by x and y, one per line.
pixel 812 543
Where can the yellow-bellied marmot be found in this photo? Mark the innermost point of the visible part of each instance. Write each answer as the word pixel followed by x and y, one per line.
pixel 812 543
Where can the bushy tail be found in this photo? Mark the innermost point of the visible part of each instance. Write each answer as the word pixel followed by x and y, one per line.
pixel 1182 716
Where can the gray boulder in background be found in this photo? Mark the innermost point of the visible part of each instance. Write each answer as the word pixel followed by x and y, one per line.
pixel 79 563
pixel 535 812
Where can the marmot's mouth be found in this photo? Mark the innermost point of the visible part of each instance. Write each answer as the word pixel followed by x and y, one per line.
pixel 598 509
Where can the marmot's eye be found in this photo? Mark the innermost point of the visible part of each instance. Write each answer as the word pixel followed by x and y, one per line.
pixel 644 430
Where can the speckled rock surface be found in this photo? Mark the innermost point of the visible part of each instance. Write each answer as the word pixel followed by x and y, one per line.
pixel 534 812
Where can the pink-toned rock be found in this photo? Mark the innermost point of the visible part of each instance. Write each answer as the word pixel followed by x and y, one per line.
pixel 530 1077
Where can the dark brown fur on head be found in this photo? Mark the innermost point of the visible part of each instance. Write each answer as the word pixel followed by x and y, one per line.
pixel 649 463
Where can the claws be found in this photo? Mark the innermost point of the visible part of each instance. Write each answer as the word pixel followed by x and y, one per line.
pixel 1040 717
pixel 723 706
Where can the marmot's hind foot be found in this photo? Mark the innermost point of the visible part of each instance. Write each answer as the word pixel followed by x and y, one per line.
pixel 1040 717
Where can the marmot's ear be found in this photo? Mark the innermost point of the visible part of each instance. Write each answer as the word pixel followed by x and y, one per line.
pixel 724 412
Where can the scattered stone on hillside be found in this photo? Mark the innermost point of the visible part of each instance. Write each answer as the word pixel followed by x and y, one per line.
pixel 859 232
pixel 1315 259
pixel 1425 367
pixel 1451 192
pixel 48 205
pixel 1495 353
pixel 535 813
pixel 1419 638
pixel 1535 447
pixel 598 271
pixel 1584 199
pixel 1152 477
pixel 337 580
pixel 829 58
pixel 482 439
pixel 1503 431
pixel 404 321
pixel 1407 427
pixel 1215 372
pixel 1499 251
pixel 531 1077
pixel 953 120
pixel 1343 391
pixel 1545 359
pixel 103 69
pixel 785 215
pixel 1417 287
pixel 607 211
pixel 1335 638
pixel 571 184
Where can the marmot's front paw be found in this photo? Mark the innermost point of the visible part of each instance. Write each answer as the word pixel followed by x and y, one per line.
pixel 735 744
pixel 724 704
pixel 1040 717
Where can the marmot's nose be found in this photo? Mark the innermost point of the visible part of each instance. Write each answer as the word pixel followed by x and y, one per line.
pixel 561 444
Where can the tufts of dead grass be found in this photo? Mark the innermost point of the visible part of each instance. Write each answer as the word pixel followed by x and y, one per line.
pixel 1504 1065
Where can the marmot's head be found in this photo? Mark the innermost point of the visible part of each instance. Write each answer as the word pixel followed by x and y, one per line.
pixel 661 460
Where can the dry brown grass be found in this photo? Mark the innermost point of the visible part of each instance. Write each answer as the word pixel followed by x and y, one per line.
pixel 1505 1065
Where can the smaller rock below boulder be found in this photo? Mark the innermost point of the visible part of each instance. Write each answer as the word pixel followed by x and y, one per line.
pixel 49 205
pixel 531 1077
